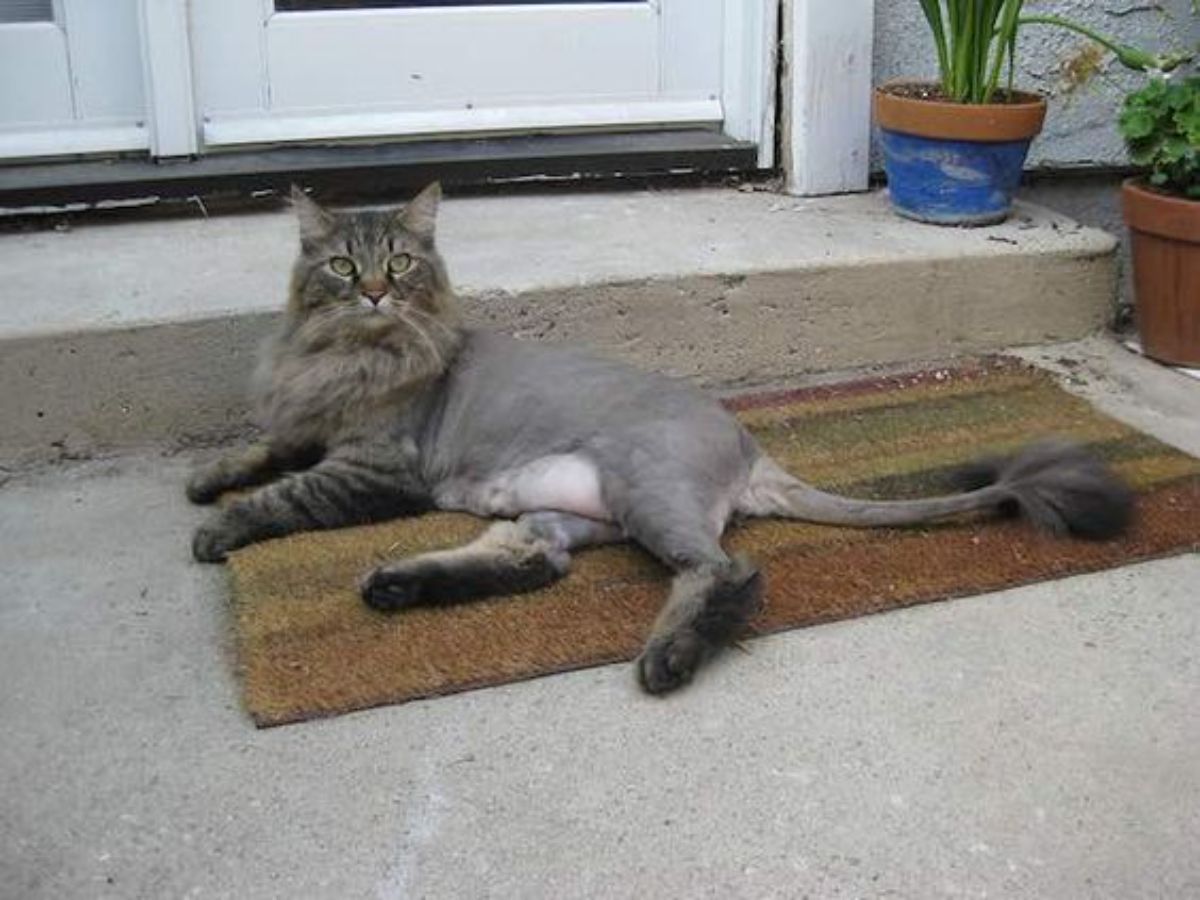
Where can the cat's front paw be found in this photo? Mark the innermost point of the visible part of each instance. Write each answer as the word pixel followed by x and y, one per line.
pixel 211 543
pixel 205 486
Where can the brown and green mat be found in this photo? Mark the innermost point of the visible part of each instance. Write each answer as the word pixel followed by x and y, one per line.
pixel 308 647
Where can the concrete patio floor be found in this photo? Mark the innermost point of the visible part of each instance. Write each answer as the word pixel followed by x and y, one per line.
pixel 1039 742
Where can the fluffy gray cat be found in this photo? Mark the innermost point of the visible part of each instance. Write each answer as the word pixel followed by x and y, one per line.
pixel 376 403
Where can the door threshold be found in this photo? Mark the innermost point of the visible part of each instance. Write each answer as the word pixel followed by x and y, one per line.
pixel 399 166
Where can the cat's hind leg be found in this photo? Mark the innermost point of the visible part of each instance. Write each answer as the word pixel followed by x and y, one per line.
pixel 248 467
pixel 712 596
pixel 508 558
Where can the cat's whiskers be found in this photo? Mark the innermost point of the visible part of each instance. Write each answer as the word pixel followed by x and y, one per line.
pixel 314 331
pixel 424 336
pixel 451 333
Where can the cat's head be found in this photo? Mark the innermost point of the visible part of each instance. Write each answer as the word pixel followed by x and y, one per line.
pixel 371 270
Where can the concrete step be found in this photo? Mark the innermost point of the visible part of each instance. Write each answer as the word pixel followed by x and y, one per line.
pixel 119 334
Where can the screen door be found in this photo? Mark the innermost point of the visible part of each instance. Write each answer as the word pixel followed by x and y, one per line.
pixel 281 70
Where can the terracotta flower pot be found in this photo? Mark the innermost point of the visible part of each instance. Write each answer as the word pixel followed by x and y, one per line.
pixel 954 163
pixel 1165 234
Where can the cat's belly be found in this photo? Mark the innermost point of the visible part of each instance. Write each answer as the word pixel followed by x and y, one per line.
pixel 562 482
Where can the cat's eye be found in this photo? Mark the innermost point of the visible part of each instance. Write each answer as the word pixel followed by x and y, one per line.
pixel 342 265
pixel 399 264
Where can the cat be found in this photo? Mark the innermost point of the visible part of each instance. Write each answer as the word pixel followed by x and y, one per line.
pixel 376 402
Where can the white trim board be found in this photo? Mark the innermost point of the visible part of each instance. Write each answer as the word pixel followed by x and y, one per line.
pixel 827 95
pixel 258 129
pixel 167 75
pixel 69 140
pixel 750 55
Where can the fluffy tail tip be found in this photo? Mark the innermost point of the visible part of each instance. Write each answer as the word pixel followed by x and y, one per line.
pixel 1057 486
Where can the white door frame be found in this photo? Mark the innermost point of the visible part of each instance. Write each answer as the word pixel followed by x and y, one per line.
pixel 167 72
pixel 752 34
pixel 826 91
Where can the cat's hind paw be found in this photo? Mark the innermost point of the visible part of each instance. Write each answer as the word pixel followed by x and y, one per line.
pixel 668 663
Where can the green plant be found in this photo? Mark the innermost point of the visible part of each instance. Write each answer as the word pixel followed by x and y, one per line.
pixel 1161 127
pixel 973 38
pixel 1160 122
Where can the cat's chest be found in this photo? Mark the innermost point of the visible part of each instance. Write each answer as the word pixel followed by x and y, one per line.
pixel 565 482
pixel 326 393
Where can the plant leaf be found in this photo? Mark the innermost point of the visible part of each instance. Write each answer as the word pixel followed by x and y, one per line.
pixel 1136 123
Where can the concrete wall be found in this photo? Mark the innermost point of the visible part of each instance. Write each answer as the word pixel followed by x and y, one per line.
pixel 1081 126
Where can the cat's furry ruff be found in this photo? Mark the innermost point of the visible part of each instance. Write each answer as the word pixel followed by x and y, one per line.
pixel 376 403
pixel 333 371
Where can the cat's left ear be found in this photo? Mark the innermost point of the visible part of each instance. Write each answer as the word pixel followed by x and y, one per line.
pixel 420 216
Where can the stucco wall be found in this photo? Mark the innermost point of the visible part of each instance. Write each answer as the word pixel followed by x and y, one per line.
pixel 1080 129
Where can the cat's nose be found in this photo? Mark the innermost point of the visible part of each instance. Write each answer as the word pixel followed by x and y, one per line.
pixel 373 293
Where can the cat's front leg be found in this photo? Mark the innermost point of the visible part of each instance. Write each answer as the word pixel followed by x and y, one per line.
pixel 354 485
pixel 508 558
pixel 247 467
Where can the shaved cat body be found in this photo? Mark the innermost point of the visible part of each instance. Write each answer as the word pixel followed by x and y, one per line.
pixel 376 403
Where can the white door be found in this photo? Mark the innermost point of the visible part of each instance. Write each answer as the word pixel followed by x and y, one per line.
pixel 70 77
pixel 177 78
pixel 282 70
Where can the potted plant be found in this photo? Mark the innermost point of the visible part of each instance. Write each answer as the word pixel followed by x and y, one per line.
pixel 1160 123
pixel 1161 127
pixel 954 150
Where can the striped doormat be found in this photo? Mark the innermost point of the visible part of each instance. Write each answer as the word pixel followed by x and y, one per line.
pixel 308 647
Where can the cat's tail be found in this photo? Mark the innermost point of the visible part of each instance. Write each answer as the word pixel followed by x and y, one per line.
pixel 1055 485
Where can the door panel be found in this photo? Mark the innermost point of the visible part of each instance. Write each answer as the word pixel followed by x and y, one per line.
pixel 70 77
pixel 105 53
pixel 436 58
pixel 35 87
pixel 404 69
pixel 691 35
pixel 229 68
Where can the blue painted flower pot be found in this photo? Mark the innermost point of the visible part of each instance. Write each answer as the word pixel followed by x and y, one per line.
pixel 954 163
pixel 952 182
